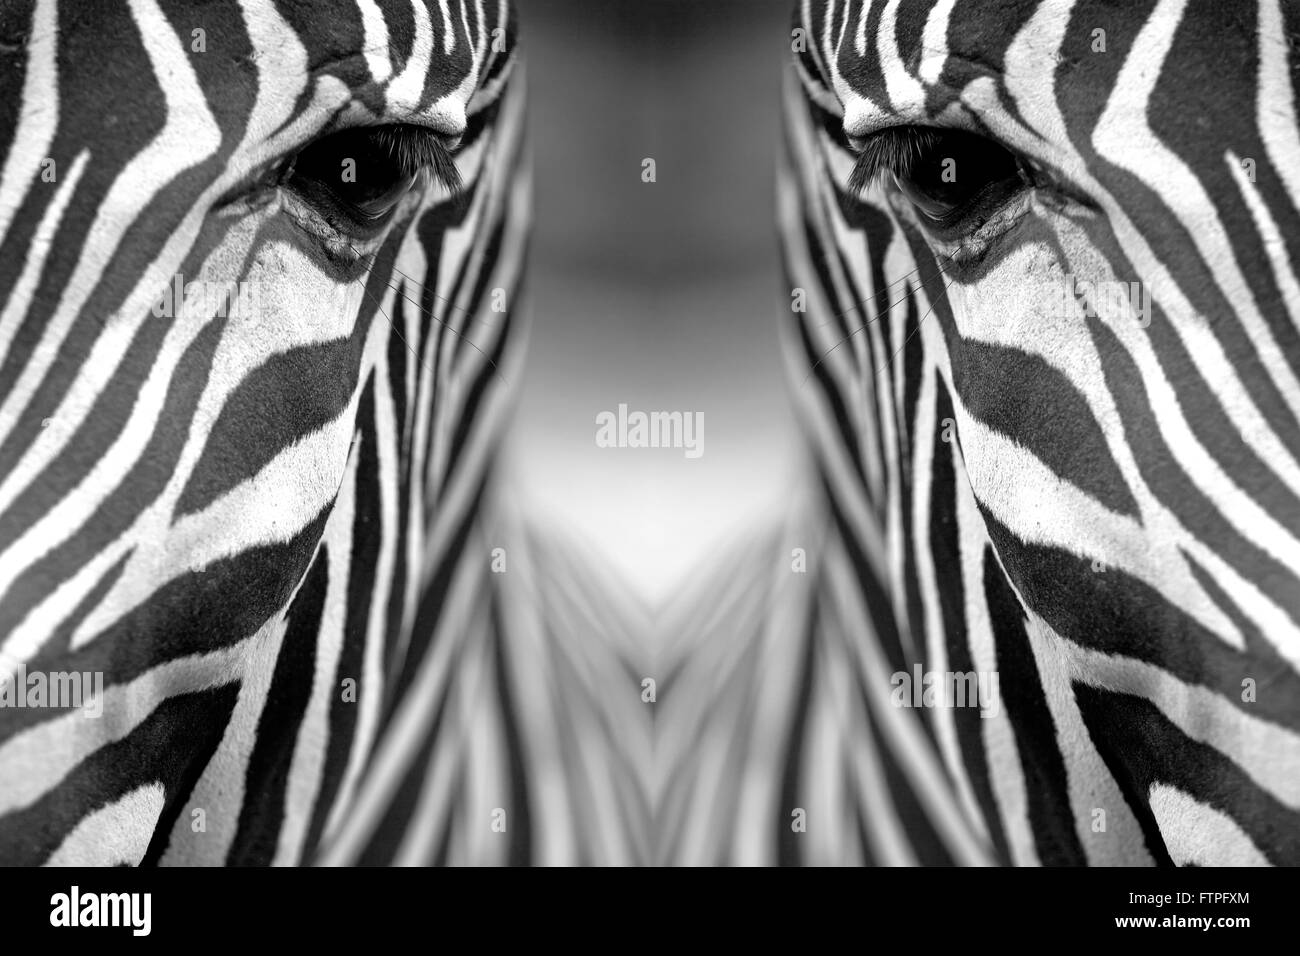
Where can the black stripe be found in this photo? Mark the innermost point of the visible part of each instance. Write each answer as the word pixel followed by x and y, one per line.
pixel 199 617
pixel 1047 791
pixel 137 490
pixel 171 746
pixel 267 775
pixel 879 605
pixel 396 821
pixel 367 533
pixel 922 835
pixel 1165 476
pixel 1142 747
pixel 1022 396
pixel 289 396
pixel 1115 613
pixel 945 552
pixel 433 603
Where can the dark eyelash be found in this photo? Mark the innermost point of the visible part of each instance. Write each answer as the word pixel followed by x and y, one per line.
pixel 416 149
pixel 896 149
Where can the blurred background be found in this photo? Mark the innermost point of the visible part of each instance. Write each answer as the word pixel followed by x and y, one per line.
pixel 663 296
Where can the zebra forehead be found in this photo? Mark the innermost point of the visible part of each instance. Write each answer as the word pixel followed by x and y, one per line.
pixel 901 61
pixel 406 60
pixel 417 58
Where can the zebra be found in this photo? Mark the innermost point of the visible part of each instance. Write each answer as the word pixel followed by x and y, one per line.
pixel 1043 330
pixel 260 272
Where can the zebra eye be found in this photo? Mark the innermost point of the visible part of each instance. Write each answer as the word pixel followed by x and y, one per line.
pixel 357 177
pixel 953 178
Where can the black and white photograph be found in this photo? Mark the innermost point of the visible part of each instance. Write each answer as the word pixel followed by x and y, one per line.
pixel 650 434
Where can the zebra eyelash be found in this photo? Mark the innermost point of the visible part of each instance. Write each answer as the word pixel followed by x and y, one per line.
pixel 418 149
pixel 896 149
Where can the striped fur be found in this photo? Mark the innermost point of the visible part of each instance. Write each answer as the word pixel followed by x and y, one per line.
pixel 1104 513
pixel 230 516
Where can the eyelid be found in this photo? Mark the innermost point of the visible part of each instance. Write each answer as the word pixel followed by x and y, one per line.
pixel 415 149
pixel 894 149
pixel 420 148
pixel 398 155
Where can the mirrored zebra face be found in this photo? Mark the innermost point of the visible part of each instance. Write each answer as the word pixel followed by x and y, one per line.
pixel 243 248
pixel 1060 244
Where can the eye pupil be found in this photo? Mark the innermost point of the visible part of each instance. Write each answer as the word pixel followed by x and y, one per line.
pixel 353 172
pixel 952 170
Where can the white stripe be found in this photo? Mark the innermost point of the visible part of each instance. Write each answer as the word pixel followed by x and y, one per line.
pixel 1274 452
pixel 1268 752
pixel 307 763
pixel 921 766
pixel 371 680
pixel 411 721
pixel 1124 136
pixel 997 736
pixel 1198 834
pixel 1091 784
pixel 219 792
pixel 404 92
pixel 375 30
pixel 906 95
pixel 449 29
pixel 117 833
pixel 934 42
pixel 1276 118
pixel 37 759
pixel 189 137
pixel 20 298
pixel 438 800
pixel 926 429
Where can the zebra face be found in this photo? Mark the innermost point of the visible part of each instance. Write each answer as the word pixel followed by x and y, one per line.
pixel 213 231
pixel 1060 246
pixel 1110 286
pixel 242 247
